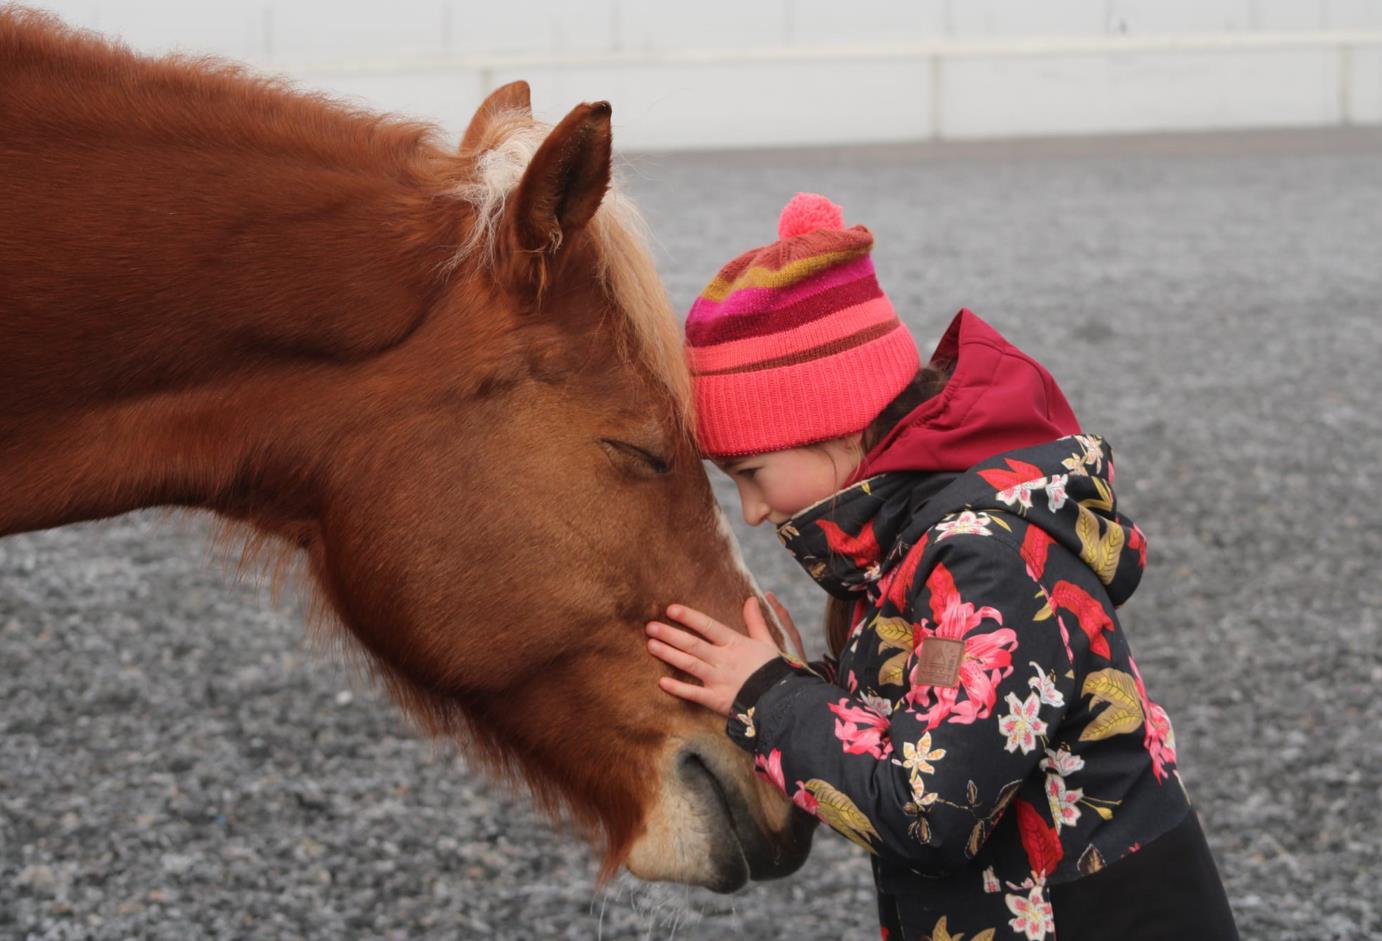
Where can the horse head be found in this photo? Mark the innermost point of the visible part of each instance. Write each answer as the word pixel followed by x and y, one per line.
pixel 525 495
pixel 450 379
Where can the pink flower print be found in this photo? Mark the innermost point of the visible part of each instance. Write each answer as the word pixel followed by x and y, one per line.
pixel 1022 725
pixel 1015 483
pixel 769 768
pixel 879 704
pixel 863 731
pixel 1093 451
pixel 1020 495
pixel 1045 686
pixel 1062 761
pixel 1158 738
pixel 1065 810
pixel 991 881
pixel 1033 919
pixel 966 522
pixel 986 661
pixel 1055 491
pixel 805 799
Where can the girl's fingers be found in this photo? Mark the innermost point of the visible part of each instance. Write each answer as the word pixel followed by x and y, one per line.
pixel 758 627
pixel 682 640
pixel 688 691
pixel 710 628
pixel 682 661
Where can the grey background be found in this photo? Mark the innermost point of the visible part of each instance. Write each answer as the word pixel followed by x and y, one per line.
pixel 178 760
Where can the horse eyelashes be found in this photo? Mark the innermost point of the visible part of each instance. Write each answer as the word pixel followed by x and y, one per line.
pixel 650 461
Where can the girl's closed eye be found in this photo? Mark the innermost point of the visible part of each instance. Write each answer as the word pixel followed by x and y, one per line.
pixel 738 470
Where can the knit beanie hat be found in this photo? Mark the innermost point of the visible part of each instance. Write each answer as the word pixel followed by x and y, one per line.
pixel 795 342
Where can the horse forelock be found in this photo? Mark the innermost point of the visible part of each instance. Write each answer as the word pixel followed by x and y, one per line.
pixel 622 243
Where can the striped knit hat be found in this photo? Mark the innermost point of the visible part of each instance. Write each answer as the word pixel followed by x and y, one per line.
pixel 795 342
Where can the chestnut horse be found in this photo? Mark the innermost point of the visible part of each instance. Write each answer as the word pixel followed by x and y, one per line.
pixel 451 379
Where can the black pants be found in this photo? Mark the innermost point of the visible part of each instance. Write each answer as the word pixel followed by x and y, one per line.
pixel 1167 891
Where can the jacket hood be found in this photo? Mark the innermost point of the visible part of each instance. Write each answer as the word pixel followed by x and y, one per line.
pixel 1063 489
pixel 997 399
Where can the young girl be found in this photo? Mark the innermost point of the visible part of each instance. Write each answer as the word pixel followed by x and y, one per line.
pixel 982 729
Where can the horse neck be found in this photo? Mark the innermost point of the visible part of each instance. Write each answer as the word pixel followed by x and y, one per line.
pixel 209 245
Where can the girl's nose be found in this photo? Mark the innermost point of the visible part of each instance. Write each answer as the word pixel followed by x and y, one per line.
pixel 755 512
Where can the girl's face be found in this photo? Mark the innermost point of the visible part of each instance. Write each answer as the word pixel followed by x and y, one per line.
pixel 779 484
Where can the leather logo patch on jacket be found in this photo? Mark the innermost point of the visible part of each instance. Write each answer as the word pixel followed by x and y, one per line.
pixel 938 662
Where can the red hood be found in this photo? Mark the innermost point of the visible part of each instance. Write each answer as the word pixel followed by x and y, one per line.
pixel 998 399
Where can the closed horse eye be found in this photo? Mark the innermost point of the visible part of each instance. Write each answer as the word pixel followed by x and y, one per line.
pixel 646 460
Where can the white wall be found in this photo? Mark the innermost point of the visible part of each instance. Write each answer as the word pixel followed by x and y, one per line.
pixel 781 72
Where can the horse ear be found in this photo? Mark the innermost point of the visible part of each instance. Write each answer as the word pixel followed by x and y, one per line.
pixel 515 96
pixel 560 191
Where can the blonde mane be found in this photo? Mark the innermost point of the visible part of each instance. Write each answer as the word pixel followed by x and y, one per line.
pixel 621 238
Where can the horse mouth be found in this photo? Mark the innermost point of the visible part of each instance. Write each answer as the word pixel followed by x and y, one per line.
pixel 739 849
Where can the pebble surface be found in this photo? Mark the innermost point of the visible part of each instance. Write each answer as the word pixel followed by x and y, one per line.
pixel 179 760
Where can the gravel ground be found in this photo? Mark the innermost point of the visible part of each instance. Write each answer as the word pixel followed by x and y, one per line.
pixel 179 761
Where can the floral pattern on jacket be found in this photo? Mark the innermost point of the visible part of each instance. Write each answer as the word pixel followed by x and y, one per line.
pixel 985 734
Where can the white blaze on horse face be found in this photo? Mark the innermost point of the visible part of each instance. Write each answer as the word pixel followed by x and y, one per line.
pixel 736 555
pixel 683 836
pixel 772 804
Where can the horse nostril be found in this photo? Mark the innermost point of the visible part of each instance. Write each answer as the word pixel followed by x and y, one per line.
pixel 698 776
pixel 726 793
pixel 730 867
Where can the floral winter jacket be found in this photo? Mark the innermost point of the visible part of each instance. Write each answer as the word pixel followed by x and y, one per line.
pixel 985 735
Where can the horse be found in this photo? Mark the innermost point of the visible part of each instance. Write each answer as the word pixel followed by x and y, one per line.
pixel 446 378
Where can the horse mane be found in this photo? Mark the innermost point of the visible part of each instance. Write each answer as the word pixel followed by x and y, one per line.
pixel 270 114
pixel 175 93
pixel 620 235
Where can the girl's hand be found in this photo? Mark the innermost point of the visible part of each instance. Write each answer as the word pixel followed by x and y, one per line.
pixel 719 656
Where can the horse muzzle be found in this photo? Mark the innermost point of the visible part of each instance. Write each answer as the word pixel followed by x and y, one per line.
pixel 715 824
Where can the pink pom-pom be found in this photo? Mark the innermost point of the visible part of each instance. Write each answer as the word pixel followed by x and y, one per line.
pixel 806 212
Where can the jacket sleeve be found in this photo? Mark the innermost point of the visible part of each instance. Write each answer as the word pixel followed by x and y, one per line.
pixel 924 781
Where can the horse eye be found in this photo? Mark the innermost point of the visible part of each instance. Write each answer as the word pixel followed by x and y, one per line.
pixel 650 461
